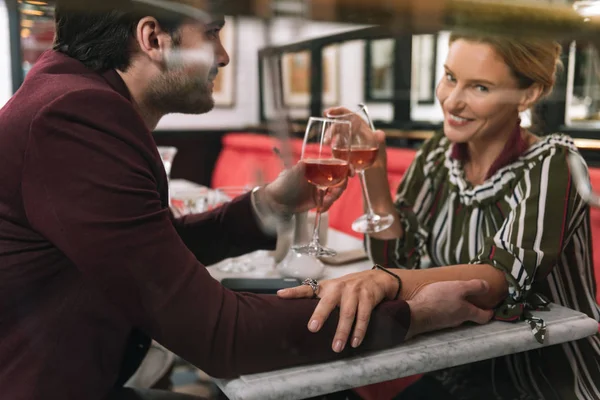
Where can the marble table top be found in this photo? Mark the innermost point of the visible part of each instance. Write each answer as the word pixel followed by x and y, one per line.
pixel 425 353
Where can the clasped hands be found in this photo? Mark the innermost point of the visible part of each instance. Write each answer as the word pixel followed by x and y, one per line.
pixel 435 306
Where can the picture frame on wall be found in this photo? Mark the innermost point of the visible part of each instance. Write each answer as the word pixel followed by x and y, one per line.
pixel 295 71
pixel 582 102
pixel 424 60
pixel 224 83
pixel 379 69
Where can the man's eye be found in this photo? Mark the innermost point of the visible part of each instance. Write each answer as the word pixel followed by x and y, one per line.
pixel 213 33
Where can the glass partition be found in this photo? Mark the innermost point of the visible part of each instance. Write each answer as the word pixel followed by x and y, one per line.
pixel 37 30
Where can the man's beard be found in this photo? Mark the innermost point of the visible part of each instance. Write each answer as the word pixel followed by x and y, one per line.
pixel 177 92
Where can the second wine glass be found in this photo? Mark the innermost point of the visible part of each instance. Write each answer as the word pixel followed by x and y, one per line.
pixel 325 153
pixel 363 153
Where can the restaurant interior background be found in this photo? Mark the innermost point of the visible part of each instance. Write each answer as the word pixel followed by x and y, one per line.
pixel 395 77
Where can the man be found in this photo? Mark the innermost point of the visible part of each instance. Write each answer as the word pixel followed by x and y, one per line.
pixel 93 264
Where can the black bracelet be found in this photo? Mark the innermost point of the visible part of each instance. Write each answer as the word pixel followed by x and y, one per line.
pixel 377 266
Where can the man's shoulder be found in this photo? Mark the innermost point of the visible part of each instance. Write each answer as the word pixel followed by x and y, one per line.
pixel 80 90
pixel 58 79
pixel 74 101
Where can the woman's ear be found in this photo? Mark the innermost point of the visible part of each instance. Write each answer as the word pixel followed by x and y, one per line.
pixel 530 96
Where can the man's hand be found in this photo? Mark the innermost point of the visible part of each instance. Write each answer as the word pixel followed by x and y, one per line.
pixel 442 305
pixel 291 193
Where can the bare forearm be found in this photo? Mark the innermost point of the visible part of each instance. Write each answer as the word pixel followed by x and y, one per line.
pixel 382 202
pixel 414 280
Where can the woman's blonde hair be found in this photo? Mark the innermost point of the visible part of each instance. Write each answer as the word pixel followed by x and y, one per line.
pixel 530 60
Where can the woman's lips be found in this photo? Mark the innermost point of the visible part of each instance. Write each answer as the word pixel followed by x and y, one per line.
pixel 457 121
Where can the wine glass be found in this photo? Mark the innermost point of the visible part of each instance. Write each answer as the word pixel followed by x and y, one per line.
pixel 167 154
pixel 192 200
pixel 221 196
pixel 325 153
pixel 363 153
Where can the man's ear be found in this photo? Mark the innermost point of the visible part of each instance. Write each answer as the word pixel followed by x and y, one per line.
pixel 530 96
pixel 152 40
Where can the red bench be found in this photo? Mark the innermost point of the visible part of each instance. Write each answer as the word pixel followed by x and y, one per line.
pixel 595 222
pixel 246 158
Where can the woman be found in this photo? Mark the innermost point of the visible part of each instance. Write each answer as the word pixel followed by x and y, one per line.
pixel 487 199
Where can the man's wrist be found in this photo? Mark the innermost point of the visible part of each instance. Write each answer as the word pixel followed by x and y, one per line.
pixel 281 211
pixel 266 211
pixel 419 318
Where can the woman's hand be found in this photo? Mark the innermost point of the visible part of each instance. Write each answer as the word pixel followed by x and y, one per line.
pixel 360 129
pixel 381 160
pixel 356 295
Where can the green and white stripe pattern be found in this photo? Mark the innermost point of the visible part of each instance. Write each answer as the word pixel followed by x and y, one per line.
pixel 526 220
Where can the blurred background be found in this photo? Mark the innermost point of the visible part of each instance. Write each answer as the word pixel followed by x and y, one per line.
pixel 319 64
pixel 316 65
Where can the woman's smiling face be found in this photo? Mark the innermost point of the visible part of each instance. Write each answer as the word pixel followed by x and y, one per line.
pixel 479 94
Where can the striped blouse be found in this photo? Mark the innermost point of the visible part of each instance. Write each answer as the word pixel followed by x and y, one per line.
pixel 527 220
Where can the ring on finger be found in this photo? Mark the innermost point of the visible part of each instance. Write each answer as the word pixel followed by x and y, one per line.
pixel 314 285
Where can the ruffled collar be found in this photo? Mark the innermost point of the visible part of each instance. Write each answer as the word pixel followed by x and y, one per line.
pixel 515 146
pixel 495 184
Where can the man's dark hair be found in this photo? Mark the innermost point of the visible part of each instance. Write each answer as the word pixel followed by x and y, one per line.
pixel 101 38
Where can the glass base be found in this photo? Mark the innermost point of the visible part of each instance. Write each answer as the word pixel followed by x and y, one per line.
pixel 376 223
pixel 315 250
pixel 234 266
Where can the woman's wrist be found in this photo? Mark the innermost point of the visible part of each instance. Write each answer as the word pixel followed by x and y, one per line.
pixel 413 281
pixel 391 282
pixel 379 189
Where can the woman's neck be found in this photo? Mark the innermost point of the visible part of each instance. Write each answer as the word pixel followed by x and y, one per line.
pixel 483 153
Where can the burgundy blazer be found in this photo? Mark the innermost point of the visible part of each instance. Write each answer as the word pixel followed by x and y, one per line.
pixel 89 252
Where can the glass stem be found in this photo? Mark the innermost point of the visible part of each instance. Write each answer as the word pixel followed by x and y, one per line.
pixel 314 243
pixel 363 184
pixel 170 203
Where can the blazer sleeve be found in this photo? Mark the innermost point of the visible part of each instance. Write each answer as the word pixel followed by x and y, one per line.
pixel 228 231
pixel 89 188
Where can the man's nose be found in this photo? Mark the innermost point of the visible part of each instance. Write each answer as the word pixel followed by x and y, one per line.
pixel 221 55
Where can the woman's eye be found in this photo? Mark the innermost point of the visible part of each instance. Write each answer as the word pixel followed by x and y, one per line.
pixel 481 88
pixel 449 77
